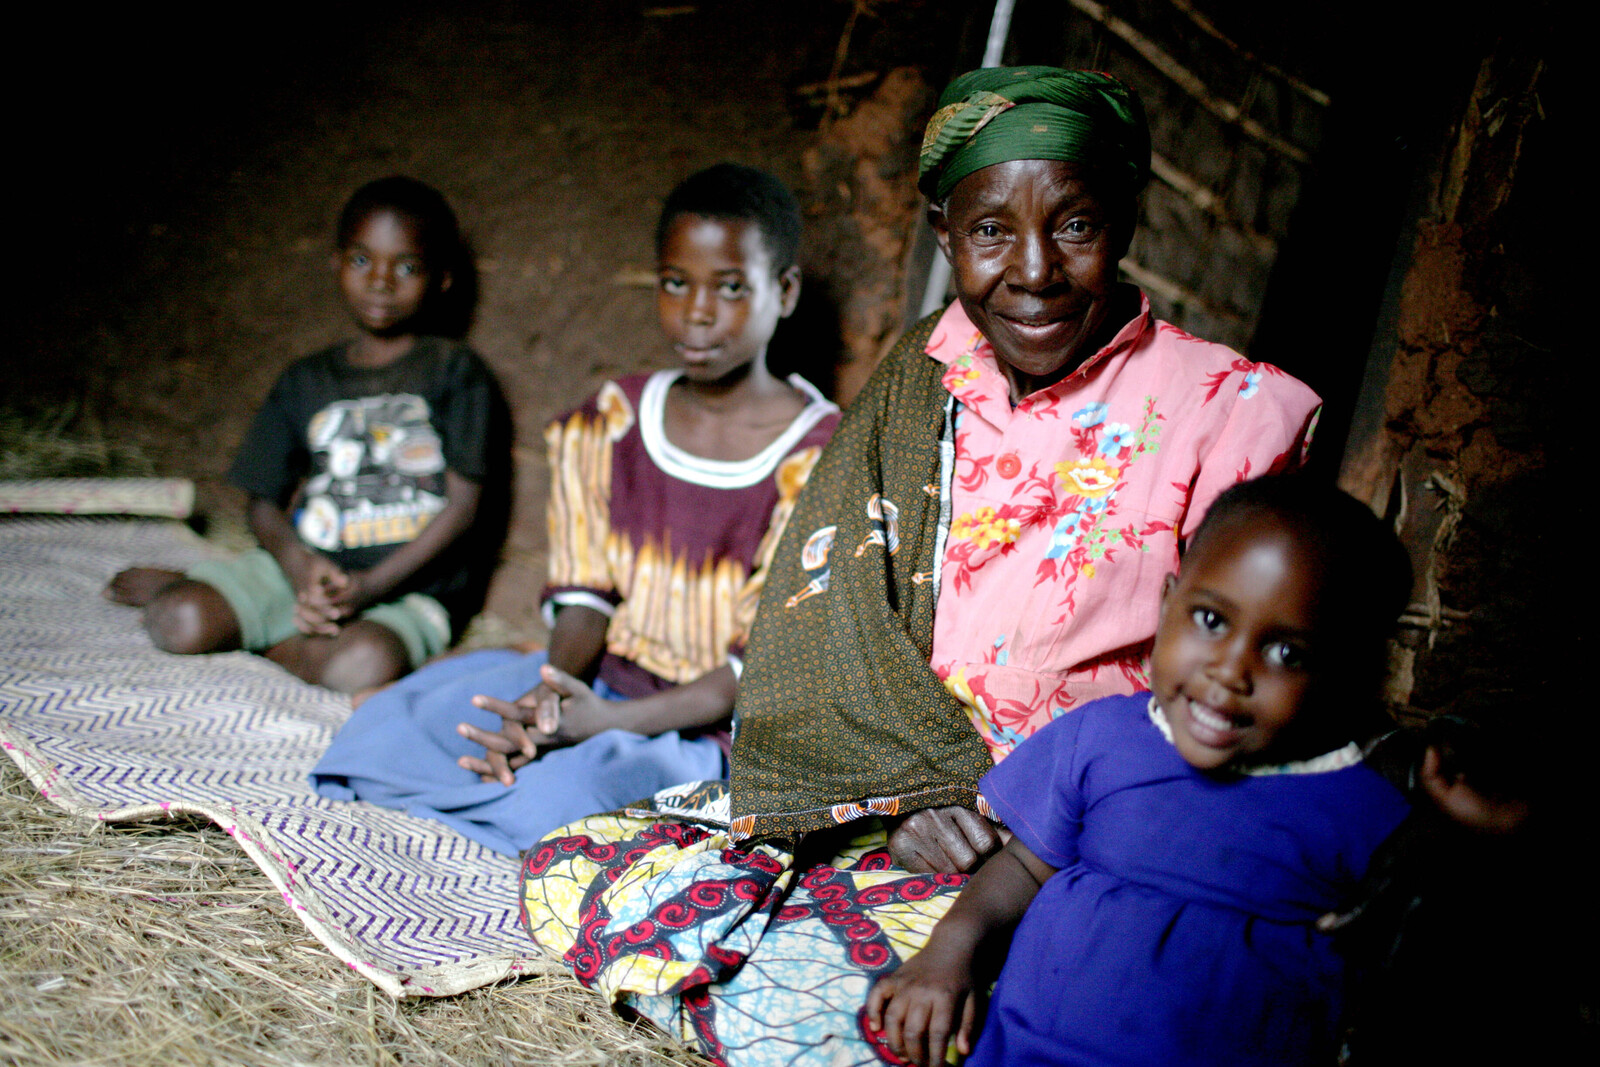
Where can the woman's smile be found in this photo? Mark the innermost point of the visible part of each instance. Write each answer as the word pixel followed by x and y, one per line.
pixel 1033 250
pixel 1041 329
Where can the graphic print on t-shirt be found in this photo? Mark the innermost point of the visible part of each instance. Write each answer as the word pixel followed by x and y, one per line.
pixel 377 473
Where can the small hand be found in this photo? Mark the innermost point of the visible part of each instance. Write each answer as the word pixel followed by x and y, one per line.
pixel 562 711
pixel 318 585
pixel 1455 796
pixel 348 596
pixel 315 620
pixel 913 1009
pixel 951 840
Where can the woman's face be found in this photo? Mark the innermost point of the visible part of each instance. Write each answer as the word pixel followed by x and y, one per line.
pixel 1034 250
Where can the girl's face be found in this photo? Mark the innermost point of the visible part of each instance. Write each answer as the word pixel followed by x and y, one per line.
pixel 718 296
pixel 1235 663
pixel 383 275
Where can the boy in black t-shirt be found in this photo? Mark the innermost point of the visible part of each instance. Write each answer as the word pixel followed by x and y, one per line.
pixel 364 468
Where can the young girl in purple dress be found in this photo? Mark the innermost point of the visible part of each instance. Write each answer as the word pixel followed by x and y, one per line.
pixel 1173 850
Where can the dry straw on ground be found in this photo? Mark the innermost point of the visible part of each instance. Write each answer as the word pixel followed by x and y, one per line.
pixel 50 443
pixel 163 944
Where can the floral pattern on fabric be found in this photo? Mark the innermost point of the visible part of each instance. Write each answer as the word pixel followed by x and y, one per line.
pixel 1068 507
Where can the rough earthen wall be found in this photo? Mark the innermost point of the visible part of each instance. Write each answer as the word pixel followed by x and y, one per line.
pixel 863 204
pixel 1464 439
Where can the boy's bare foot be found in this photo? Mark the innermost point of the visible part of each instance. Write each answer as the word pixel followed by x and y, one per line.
pixel 137 586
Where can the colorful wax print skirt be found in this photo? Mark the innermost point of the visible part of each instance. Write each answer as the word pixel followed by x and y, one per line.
pixel 749 953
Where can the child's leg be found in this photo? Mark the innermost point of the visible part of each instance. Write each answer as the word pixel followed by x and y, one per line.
pixel 190 617
pixel 362 655
pixel 181 615
pixel 220 605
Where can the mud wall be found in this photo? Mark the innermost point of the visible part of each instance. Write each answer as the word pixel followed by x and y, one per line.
pixel 1460 431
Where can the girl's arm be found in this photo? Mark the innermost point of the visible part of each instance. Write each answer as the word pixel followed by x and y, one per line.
pixel 574 713
pixel 577 641
pixel 916 1009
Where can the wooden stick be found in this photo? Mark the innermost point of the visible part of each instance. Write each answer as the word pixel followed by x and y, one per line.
pixel 849 81
pixel 1193 191
pixel 1205 25
pixel 1169 290
pixel 836 104
pixel 1188 81
pixel 1206 200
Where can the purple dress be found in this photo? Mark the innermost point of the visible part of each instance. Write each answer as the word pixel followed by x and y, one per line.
pixel 1179 927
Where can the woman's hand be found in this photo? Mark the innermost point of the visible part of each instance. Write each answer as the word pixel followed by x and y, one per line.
pixel 950 840
pixel 560 711
pixel 916 1009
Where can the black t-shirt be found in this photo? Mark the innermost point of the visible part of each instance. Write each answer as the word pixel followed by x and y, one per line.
pixel 358 456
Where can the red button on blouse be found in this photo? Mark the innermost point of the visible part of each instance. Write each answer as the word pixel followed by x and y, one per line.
pixel 1008 465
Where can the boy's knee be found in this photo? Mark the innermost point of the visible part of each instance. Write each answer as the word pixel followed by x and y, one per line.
pixel 191 617
pixel 368 654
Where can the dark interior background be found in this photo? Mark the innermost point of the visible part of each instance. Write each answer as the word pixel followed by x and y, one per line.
pixel 179 172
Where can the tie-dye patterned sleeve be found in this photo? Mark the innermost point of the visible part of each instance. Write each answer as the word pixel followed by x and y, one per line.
pixel 578 514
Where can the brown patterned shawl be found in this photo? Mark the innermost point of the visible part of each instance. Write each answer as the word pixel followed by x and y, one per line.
pixel 839 715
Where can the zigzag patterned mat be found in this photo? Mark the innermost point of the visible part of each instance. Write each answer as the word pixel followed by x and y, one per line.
pixel 109 728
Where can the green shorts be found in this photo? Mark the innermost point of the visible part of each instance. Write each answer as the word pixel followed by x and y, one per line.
pixel 262 599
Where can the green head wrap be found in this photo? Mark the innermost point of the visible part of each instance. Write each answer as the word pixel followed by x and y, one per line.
pixel 998 114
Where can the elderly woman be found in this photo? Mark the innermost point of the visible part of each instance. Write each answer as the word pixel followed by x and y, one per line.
pixel 979 550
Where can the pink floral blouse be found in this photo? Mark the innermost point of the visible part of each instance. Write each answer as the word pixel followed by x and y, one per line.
pixel 1066 510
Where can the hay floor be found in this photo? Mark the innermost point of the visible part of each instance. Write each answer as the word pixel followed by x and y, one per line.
pixel 164 944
